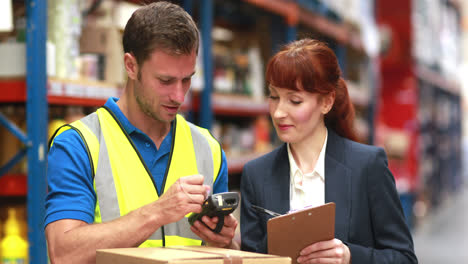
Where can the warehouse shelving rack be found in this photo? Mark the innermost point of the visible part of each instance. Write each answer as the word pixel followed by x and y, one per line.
pixel 35 92
pixel 35 140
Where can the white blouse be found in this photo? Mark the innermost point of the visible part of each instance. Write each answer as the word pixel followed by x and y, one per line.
pixel 307 190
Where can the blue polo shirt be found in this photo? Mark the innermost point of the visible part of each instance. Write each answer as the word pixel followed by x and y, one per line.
pixel 71 193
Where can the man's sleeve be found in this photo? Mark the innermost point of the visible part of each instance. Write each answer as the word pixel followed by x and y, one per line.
pixel 69 180
pixel 221 183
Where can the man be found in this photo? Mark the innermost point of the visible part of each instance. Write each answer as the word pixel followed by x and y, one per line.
pixel 128 174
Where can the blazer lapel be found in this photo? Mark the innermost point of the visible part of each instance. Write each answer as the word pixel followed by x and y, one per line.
pixel 338 183
pixel 276 187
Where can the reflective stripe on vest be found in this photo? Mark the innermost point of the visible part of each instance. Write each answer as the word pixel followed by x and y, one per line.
pixel 123 183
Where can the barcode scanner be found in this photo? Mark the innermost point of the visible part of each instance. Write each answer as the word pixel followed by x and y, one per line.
pixel 220 205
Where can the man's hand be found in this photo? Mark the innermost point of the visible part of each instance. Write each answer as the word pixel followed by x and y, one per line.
pixel 184 196
pixel 330 251
pixel 223 238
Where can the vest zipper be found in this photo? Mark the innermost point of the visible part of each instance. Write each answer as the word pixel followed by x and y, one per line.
pixel 163 185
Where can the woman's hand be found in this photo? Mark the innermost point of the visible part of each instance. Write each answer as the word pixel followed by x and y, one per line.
pixel 330 251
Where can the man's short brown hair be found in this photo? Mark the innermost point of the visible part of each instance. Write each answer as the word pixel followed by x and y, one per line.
pixel 160 25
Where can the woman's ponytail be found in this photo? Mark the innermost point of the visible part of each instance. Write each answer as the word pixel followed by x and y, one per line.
pixel 341 116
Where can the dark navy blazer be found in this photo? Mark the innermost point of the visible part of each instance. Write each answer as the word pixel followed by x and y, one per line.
pixel 369 217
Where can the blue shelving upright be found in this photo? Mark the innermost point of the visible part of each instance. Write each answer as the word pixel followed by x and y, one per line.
pixel 35 140
pixel 36 122
pixel 206 19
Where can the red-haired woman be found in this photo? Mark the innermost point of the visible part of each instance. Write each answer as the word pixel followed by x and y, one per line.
pixel 321 162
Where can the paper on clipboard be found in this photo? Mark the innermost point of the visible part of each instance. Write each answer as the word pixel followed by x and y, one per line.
pixel 289 234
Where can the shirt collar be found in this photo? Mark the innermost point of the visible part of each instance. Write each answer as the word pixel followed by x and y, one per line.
pixel 127 125
pixel 319 166
pixel 292 163
pixel 112 105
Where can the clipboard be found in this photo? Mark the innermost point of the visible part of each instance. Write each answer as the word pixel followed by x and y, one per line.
pixel 288 234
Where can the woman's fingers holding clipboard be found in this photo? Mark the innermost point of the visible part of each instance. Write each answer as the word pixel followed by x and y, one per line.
pixel 329 251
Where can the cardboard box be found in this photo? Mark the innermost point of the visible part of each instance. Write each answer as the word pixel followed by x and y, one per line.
pixel 13 62
pixel 95 39
pixel 184 255
pixel 106 41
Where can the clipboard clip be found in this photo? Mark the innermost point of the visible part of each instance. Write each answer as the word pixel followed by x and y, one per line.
pixel 265 211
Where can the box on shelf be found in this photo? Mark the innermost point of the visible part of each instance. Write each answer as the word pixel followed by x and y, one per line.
pixel 13 62
pixel 182 255
pixel 82 89
pixel 106 41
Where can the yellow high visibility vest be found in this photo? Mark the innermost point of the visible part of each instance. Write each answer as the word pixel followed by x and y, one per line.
pixel 122 181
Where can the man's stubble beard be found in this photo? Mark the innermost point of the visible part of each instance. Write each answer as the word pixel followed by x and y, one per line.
pixel 146 108
pixel 143 103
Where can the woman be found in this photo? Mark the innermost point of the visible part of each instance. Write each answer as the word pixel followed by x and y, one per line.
pixel 321 162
